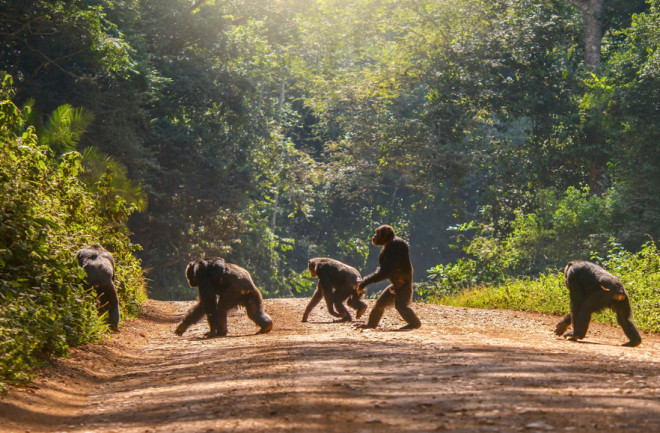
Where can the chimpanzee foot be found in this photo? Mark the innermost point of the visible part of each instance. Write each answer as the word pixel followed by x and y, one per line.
pixel 346 318
pixel 360 312
pixel 410 326
pixel 266 329
pixel 632 343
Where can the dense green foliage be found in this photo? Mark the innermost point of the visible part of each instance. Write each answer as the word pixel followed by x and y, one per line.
pixel 271 132
pixel 639 272
pixel 47 215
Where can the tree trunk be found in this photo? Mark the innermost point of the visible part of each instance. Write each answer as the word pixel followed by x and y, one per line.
pixel 593 30
pixel 593 37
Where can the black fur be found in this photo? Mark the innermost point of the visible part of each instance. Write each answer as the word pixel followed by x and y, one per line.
pixel 222 286
pixel 591 289
pixel 337 282
pixel 395 266
pixel 100 269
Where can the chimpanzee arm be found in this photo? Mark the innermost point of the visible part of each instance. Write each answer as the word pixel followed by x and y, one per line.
pixel 388 263
pixel 563 325
pixel 208 299
pixel 316 298
pixel 624 317
pixel 379 275
pixel 391 258
pixel 193 316
pixel 326 286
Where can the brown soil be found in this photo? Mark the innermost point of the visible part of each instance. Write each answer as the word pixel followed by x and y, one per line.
pixel 465 370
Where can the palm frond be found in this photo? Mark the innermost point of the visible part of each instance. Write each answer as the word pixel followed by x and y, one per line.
pixel 96 163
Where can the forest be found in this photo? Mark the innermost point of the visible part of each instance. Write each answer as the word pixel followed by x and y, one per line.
pixel 500 138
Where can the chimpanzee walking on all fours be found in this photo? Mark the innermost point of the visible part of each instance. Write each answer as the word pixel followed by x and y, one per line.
pixel 100 269
pixel 591 289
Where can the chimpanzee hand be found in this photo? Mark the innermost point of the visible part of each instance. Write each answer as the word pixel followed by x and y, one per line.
pixel 561 328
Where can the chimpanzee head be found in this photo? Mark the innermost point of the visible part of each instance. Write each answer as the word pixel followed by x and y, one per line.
pixel 312 267
pixel 208 269
pixel 384 234
pixel 616 288
pixel 191 273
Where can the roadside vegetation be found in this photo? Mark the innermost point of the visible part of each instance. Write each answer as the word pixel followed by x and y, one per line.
pixel 639 272
pixel 48 213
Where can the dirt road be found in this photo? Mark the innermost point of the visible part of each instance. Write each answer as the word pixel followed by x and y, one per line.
pixel 465 370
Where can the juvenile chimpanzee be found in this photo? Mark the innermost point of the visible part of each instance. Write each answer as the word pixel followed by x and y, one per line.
pixel 100 269
pixel 591 289
pixel 337 281
pixel 395 266
pixel 214 278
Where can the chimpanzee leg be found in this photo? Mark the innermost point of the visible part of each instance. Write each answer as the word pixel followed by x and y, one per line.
pixel 385 300
pixel 563 325
pixel 193 316
pixel 109 302
pixel 402 299
pixel 326 285
pixel 316 298
pixel 220 319
pixel 357 304
pixel 255 311
pixel 208 299
pixel 595 302
pixel 341 309
pixel 624 317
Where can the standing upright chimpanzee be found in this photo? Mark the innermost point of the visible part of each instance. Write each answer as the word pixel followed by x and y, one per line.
pixel 591 288
pixel 214 278
pixel 395 266
pixel 337 281
pixel 100 269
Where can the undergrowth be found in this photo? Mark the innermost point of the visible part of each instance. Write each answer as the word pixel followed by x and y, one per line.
pixel 47 215
pixel 640 273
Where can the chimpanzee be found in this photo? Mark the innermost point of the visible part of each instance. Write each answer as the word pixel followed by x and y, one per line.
pixel 215 278
pixel 337 281
pixel 395 266
pixel 100 269
pixel 591 289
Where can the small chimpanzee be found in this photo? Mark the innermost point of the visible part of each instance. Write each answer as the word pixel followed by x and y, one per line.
pixel 337 281
pixel 100 269
pixel 214 278
pixel 395 266
pixel 591 289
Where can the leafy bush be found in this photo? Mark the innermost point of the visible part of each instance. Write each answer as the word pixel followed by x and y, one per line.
pixel 47 215
pixel 564 226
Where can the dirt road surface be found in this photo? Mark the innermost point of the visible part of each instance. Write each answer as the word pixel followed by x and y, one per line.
pixel 465 370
